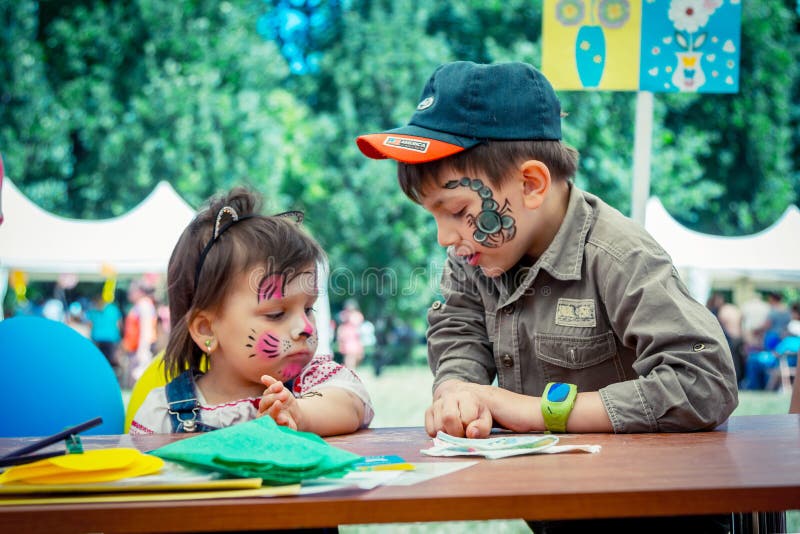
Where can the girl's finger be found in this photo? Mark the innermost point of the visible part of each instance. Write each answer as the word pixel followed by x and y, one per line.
pixel 292 424
pixel 264 404
pixel 268 380
pixel 275 409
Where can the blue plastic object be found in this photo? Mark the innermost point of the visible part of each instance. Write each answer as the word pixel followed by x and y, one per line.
pixel 51 377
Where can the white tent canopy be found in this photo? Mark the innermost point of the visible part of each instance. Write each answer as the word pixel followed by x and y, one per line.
pixel 769 256
pixel 140 241
pixel 44 245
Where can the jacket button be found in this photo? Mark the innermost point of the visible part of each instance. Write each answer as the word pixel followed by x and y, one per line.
pixel 508 361
pixel 508 310
pixel 436 304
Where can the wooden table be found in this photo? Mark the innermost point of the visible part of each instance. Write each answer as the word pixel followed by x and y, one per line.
pixel 750 464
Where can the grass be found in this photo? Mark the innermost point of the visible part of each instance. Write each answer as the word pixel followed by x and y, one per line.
pixel 400 396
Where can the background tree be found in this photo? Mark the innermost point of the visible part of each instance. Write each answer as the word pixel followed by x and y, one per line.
pixel 99 100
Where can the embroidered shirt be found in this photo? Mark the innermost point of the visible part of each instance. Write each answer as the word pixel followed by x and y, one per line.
pixel 320 373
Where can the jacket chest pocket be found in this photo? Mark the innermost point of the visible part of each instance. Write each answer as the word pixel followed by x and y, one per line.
pixel 590 362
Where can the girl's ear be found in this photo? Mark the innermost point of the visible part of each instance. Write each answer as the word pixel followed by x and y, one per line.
pixel 200 328
pixel 536 183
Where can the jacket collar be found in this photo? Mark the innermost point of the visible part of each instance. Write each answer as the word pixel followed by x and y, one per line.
pixel 563 258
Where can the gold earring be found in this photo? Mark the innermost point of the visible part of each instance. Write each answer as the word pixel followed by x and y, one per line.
pixel 208 344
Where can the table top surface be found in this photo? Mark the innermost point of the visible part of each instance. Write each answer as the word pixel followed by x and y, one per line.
pixel 749 464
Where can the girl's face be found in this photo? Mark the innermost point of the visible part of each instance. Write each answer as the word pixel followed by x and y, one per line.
pixel 266 326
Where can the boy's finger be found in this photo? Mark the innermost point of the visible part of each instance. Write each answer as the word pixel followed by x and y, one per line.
pixel 451 418
pixel 482 426
pixel 469 410
pixel 430 428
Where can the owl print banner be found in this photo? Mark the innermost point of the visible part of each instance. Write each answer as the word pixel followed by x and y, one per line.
pixel 650 45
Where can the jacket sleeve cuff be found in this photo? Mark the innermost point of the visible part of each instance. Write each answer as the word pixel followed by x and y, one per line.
pixel 627 408
pixel 464 369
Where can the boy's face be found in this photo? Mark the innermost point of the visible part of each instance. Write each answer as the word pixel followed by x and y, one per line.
pixel 267 326
pixel 488 226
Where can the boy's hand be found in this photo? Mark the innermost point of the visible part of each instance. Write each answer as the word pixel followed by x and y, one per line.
pixel 458 410
pixel 279 403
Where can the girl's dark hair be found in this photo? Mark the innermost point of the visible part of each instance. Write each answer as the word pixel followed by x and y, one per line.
pixel 494 159
pixel 276 242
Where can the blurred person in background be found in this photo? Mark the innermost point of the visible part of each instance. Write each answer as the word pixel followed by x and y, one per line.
pixel 730 319
pixel 76 320
pixel 105 319
pixel 794 406
pixel 755 313
pixel 139 331
pixel 777 320
pixel 1 191
pixel 348 334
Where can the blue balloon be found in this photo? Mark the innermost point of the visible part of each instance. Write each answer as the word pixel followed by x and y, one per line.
pixel 51 378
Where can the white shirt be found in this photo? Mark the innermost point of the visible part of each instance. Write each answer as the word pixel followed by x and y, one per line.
pixel 320 373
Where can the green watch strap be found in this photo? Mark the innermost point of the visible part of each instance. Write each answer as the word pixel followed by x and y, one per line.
pixel 557 402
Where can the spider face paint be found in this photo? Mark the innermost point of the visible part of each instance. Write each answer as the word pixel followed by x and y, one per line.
pixel 493 225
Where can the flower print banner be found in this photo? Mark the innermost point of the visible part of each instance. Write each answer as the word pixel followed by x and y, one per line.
pixel 650 45
pixel 691 46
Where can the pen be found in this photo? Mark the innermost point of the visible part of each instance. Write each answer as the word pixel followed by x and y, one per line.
pixel 44 442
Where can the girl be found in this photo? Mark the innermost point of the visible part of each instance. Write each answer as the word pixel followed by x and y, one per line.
pixel 242 287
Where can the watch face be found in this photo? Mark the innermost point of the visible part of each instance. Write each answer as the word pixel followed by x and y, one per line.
pixel 558 392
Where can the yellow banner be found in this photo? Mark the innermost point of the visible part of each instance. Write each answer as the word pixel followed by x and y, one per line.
pixel 592 44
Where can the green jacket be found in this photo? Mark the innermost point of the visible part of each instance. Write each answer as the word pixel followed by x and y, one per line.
pixel 602 308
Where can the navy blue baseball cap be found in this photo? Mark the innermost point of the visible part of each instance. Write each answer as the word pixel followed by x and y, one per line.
pixel 466 103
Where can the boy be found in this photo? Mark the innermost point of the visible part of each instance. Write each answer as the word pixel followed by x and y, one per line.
pixel 575 309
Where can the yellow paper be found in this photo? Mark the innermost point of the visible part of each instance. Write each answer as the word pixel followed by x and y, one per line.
pixel 146 465
pixel 142 485
pixel 98 460
pixel 388 467
pixel 91 466
pixel 271 491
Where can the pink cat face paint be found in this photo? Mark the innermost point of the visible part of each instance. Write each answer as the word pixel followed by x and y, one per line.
pixel 308 329
pixel 291 371
pixel 271 287
pixel 266 344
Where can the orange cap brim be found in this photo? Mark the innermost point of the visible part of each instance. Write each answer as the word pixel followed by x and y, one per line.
pixel 405 148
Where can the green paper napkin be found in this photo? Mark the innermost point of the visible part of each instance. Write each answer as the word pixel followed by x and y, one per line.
pixel 260 448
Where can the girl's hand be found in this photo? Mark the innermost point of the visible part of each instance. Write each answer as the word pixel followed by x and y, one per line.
pixel 279 403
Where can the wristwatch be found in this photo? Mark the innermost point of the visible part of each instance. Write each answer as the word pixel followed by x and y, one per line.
pixel 557 402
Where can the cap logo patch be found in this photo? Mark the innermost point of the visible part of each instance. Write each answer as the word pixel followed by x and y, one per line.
pixel 425 104
pixel 407 144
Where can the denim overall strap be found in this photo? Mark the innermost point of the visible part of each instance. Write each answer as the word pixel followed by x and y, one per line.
pixel 182 405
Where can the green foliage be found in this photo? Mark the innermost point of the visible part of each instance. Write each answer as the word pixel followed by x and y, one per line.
pixel 380 244
pixel 101 100
pixel 739 160
pixel 115 97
